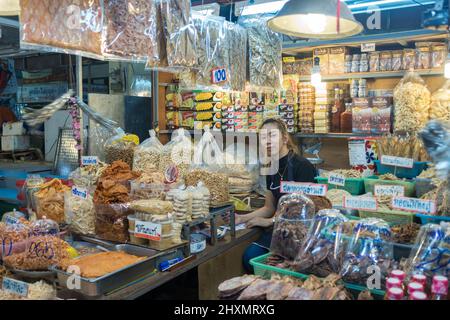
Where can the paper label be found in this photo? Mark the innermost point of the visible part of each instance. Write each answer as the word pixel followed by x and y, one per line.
pixel 389 190
pixel 397 161
pixel 288 59
pixel 357 153
pixel 9 220
pixel 336 179
pixel 147 230
pixel 15 286
pixel 312 189
pixel 414 205
pixel 89 160
pixel 367 47
pixel 219 75
pixel 79 192
pixel 361 203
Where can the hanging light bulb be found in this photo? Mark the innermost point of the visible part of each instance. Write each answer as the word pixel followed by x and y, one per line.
pixel 447 67
pixel 317 22
pixel 316 77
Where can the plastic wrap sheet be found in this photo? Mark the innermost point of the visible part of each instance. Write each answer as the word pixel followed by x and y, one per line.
pixel 67 26
pixel 131 30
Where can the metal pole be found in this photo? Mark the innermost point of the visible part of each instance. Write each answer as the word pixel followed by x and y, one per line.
pixel 79 73
pixel 155 100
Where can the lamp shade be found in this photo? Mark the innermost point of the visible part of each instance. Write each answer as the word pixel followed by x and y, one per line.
pixel 315 19
pixel 9 7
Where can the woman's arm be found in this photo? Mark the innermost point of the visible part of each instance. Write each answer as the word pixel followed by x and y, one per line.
pixel 265 212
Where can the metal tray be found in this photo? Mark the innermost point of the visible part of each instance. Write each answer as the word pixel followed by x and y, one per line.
pixel 116 279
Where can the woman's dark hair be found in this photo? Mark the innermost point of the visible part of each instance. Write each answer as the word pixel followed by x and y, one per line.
pixel 292 146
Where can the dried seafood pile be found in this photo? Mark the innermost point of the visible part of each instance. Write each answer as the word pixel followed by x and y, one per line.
pixel 407 146
pixel 217 184
pixel 440 104
pixel 120 151
pixel 237 37
pixel 346 173
pixel 288 237
pixel 405 233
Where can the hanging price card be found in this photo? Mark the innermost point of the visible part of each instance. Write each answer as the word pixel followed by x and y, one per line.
pixel 79 192
pixel 15 286
pixel 397 161
pixel 147 230
pixel 219 75
pixel 89 160
pixel 361 203
pixel 389 190
pixel 312 189
pixel 414 205
pixel 367 47
pixel 336 179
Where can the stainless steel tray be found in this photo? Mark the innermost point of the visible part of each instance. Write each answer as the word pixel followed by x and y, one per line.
pixel 116 279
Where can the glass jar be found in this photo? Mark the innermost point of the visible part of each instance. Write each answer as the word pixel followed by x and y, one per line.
pixel 364 63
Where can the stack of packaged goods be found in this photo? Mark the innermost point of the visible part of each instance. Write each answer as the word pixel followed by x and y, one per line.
pixel 172 105
pixel 307 100
pixel 287 114
pixel 322 110
pixel 288 108
pixel 240 116
pixel 203 107
pixel 186 119
pixel 362 112
pixel 255 114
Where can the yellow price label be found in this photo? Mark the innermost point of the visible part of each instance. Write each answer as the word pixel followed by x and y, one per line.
pixel 288 59
pixel 129 138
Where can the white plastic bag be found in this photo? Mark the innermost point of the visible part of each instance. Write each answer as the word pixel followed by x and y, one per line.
pixel 147 154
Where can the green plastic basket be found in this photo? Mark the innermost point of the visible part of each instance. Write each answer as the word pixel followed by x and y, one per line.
pixel 265 271
pixel 390 216
pixel 354 186
pixel 370 182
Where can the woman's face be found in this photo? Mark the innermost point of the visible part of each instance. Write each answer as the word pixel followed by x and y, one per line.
pixel 271 140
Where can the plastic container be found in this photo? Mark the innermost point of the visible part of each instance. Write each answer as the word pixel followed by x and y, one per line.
pixel 136 240
pixel 390 216
pixel 408 173
pixel 198 243
pixel 354 186
pixel 424 219
pixel 164 243
pixel 370 182
pixel 423 185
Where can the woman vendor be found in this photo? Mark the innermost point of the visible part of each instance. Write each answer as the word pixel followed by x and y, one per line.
pixel 278 144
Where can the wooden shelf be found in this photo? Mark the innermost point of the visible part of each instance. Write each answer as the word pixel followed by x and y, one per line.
pixel 334 135
pixel 375 75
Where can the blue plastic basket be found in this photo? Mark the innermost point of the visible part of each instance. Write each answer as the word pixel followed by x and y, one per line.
pixel 407 173
pixel 424 219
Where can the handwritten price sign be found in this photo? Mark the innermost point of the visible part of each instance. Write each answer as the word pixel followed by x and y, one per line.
pixel 89 160
pixel 15 286
pixel 397 161
pixel 79 192
pixel 147 230
pixel 389 190
pixel 361 203
pixel 219 75
pixel 414 205
pixel 336 179
pixel 312 189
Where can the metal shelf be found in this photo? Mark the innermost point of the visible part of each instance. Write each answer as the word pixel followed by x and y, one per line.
pixel 375 75
pixel 334 135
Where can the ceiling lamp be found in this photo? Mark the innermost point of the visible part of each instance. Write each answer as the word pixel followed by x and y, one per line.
pixel 9 7
pixel 324 19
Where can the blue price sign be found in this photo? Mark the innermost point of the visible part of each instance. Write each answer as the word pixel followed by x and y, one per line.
pixel 16 287
pixel 219 75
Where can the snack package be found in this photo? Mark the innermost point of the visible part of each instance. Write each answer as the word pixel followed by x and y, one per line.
pixel 293 218
pixel 79 210
pixel 65 26
pixel 374 61
pixel 412 103
pixel 423 58
pixel 176 156
pixel 438 55
pixel 323 250
pixel 87 176
pixel 147 154
pixel 369 249
pixel 111 221
pixel 440 103
pixel 31 185
pixel 13 237
pixel 409 59
pixel 119 147
pixel 151 186
pixel 131 30
pixel 50 200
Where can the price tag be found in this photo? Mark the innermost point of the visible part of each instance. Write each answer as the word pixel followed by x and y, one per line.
pixel 9 220
pixel 397 161
pixel 367 47
pixel 357 152
pixel 288 59
pixel 414 205
pixel 361 203
pixel 89 160
pixel 15 286
pixel 79 192
pixel 389 190
pixel 219 75
pixel 312 189
pixel 147 230
pixel 336 179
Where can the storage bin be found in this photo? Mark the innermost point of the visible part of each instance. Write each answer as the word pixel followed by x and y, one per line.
pixel 355 186
pixel 408 173
pixel 424 219
pixel 390 216
pixel 370 182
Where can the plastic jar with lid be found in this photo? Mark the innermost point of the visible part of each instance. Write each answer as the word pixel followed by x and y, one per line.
pixel 420 278
pixel 415 286
pixel 364 63
pixel 394 294
pixel 399 274
pixel 393 283
pixel 355 62
pixel 439 288
pixel 418 295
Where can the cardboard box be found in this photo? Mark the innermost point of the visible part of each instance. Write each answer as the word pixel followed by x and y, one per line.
pixel 323 55
pixel 13 129
pixel 19 142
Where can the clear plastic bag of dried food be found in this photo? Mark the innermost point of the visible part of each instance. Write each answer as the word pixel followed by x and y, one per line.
pixel 31 185
pixel 176 156
pixel 179 32
pixel 243 170
pixel 111 221
pixel 147 154
pixel 323 250
pixel 98 137
pixel 440 103
pixel 431 251
pixel 13 238
pixel 370 251
pixel 79 210
pixel 207 153
pixel 264 50
pixel 293 218
pixel 119 147
pixel 65 26
pixel 131 30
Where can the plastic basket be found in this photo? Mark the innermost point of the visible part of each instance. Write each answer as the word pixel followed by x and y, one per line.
pixel 370 182
pixel 265 271
pixel 408 173
pixel 423 186
pixel 354 186
pixel 424 219
pixel 390 216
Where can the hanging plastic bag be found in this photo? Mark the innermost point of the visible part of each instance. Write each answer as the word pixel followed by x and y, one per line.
pixel 440 103
pixel 176 156
pixel 131 30
pixel 147 154
pixel 294 214
pixel 370 250
pixel 323 251
pixel 65 26
pixel 121 147
pixel 412 103
pixel 79 210
pixel 237 38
